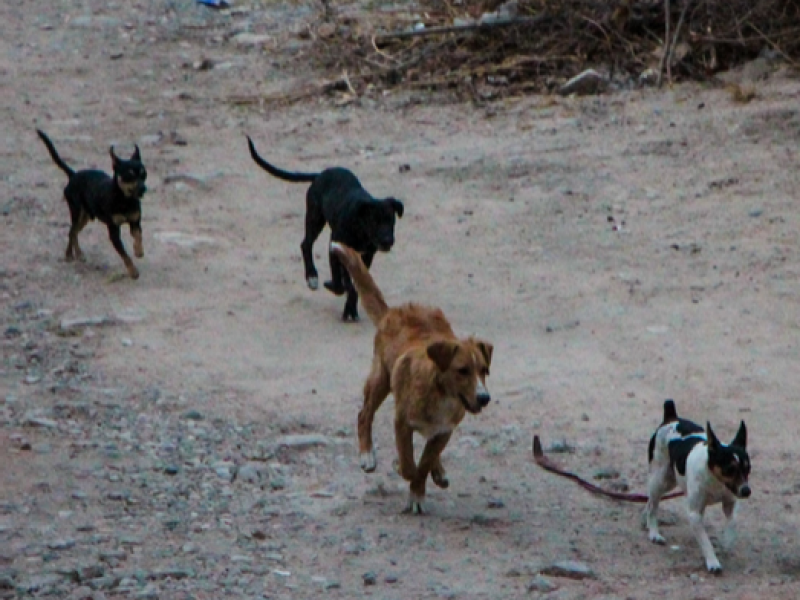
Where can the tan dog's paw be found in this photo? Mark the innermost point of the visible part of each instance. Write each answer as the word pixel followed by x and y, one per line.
pixel 414 506
pixel 440 479
pixel 368 461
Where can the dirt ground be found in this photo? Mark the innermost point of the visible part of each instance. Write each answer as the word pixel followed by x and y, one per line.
pixel 149 429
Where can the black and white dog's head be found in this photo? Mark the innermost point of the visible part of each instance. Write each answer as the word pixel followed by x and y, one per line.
pixel 377 220
pixel 730 464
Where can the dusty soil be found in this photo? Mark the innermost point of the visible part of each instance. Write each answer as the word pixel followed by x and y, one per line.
pixel 153 452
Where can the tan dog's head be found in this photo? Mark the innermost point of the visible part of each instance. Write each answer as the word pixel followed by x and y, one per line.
pixel 464 367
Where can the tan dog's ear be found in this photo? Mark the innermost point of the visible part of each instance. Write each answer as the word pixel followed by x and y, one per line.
pixel 486 349
pixel 442 354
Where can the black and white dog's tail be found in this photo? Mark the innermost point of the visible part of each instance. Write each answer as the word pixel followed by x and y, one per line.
pixel 279 173
pixel 54 155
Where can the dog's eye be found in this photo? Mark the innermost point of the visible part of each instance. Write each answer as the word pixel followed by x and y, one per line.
pixel 464 371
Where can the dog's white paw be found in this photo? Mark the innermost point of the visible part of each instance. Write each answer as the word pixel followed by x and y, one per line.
pixel 657 538
pixel 313 283
pixel 414 506
pixel 714 567
pixel 368 461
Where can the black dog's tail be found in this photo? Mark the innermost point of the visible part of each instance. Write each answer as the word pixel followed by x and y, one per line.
pixel 279 173
pixel 54 155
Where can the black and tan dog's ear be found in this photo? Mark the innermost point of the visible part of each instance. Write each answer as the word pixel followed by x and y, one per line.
pixel 136 154
pixel 397 206
pixel 486 349
pixel 713 442
pixel 442 354
pixel 114 159
pixel 741 437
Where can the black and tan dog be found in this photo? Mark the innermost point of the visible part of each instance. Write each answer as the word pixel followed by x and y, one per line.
pixel 114 201
pixel 356 219
pixel 435 378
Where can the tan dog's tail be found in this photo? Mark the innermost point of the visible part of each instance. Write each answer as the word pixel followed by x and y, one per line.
pixel 371 296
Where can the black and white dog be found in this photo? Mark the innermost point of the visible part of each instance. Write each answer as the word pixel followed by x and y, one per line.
pixel 682 454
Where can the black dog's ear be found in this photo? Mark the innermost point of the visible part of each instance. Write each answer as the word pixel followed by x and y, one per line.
pixel 397 206
pixel 741 437
pixel 713 442
pixel 136 154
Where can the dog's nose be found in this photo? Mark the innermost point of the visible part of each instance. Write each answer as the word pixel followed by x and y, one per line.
pixel 484 399
pixel 744 491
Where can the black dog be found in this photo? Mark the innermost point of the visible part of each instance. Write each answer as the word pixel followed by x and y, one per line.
pixel 356 219
pixel 113 201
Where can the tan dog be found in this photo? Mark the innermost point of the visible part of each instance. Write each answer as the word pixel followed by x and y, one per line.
pixel 435 378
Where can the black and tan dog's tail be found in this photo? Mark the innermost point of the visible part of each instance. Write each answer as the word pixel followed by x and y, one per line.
pixel 371 296
pixel 54 155
pixel 279 173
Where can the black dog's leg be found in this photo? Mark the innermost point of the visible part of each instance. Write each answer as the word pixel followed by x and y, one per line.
pixel 113 233
pixel 315 223
pixel 351 304
pixel 336 285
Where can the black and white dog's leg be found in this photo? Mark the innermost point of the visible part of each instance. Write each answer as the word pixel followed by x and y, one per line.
pixel 699 530
pixel 729 533
pixel 659 484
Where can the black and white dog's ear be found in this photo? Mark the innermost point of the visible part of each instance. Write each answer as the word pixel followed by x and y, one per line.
pixel 713 442
pixel 136 154
pixel 741 437
pixel 397 206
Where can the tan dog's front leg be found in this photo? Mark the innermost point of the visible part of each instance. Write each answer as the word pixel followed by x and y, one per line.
pixel 429 459
pixel 438 473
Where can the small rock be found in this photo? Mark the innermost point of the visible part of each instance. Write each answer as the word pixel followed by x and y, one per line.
pixel 36 421
pixel 326 30
pixel 756 212
pixel 369 578
pixel 193 415
pixel 250 472
pixel 331 585
pixel 495 503
pixel 251 39
pixel 391 579
pixel 86 321
pixel 171 573
pixel 39 583
pixel 184 240
pixel 65 544
pixel 588 82
pixel 302 441
pixel 608 473
pixel 190 548
pixel 570 569
pixel 171 470
pixel 127 342
pixel 561 447
pixel 541 584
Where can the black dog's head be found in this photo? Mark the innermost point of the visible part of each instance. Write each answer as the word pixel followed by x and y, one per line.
pixel 730 464
pixel 378 219
pixel 130 174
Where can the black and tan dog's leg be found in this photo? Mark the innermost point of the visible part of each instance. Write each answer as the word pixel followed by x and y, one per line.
pixel 78 220
pixel 430 458
pixel 116 241
pixel 136 234
pixel 315 223
pixel 376 389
